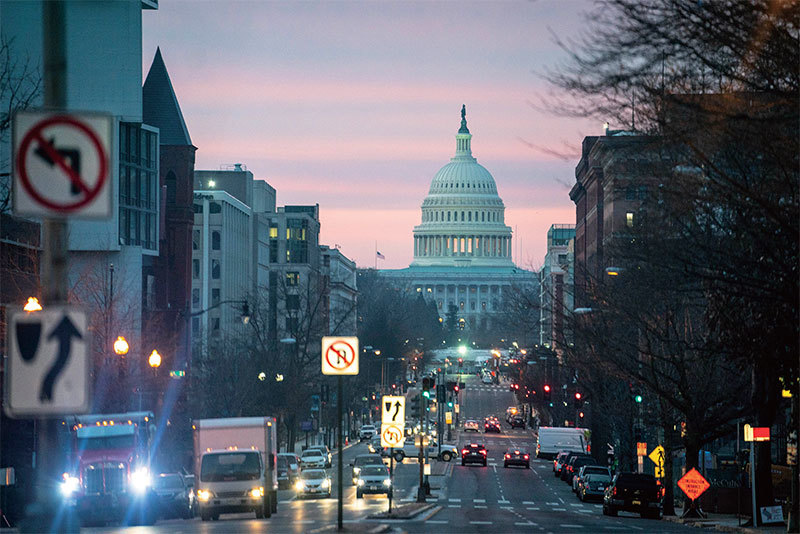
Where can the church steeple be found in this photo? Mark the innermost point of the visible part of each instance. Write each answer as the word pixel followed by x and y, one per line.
pixel 463 138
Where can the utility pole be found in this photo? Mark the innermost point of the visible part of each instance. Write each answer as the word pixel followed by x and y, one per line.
pixel 421 458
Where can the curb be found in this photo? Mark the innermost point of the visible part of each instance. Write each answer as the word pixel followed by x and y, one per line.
pixel 713 524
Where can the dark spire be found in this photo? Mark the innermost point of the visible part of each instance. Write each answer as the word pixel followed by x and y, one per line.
pixel 463 128
pixel 160 106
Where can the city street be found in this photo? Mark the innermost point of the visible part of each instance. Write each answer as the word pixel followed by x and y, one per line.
pixel 468 498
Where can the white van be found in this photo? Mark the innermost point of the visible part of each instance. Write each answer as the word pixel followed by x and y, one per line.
pixel 551 440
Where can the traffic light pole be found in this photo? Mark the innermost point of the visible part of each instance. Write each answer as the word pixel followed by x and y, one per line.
pixel 339 468
pixel 421 458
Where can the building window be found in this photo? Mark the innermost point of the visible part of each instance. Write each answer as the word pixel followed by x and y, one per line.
pixel 195 239
pixel 214 207
pixel 195 298
pixel 195 269
pixel 296 241
pixel 469 216
pixel 171 183
pixel 472 305
pixel 138 186
pixel 483 305
pixel 440 304
pixel 195 323
pixel 216 240
pixel 630 193
pixel 292 302
pixel 215 296
pixel 292 278
pixel 462 216
pixel 629 219
pixel 273 232
pixel 562 259
pixel 430 290
pixel 448 216
pixel 419 290
pixel 461 305
pixel 642 192
pixel 215 323
pixel 215 269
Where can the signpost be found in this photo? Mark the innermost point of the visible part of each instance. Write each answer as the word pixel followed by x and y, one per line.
pixel 753 434
pixel 657 457
pixel 340 357
pixel 693 484
pixel 61 164
pixel 48 367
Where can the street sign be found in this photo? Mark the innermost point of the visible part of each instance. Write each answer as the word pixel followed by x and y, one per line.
pixel 756 433
pixel 693 484
pixel 641 448
pixel 48 367
pixel 393 410
pixel 339 355
pixel 62 164
pixel 392 435
pixel 448 418
pixel 657 457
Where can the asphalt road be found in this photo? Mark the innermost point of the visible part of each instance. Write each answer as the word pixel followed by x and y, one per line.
pixel 468 499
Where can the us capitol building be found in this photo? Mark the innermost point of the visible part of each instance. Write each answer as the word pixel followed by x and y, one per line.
pixel 462 248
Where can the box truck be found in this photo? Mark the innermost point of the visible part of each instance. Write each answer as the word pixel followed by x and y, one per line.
pixel 551 440
pixel 235 466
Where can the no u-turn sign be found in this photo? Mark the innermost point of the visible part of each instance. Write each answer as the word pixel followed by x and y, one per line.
pixel 339 355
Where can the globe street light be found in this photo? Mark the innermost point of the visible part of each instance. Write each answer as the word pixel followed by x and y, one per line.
pixel 32 305
pixel 121 346
pixel 154 360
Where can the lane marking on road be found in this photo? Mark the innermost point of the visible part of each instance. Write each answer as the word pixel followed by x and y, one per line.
pixel 528 502
pixel 525 524
pixel 615 528
pixel 455 500
pixel 534 509
pixel 635 527
pixel 480 522
pixel 552 504
pixel 503 501
pixel 454 506
pixel 559 509
pixel 437 521
pixel 479 506
pixel 567 525
pixel 577 504
pixel 562 500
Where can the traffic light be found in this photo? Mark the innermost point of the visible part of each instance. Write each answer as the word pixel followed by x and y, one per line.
pixel 580 415
pixel 441 392
pixel 450 404
pixel 578 400
pixel 638 398
pixel 546 392
pixel 415 404
pixel 426 387
pixel 455 389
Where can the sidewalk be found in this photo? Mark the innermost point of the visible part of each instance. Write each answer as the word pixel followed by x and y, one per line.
pixel 725 523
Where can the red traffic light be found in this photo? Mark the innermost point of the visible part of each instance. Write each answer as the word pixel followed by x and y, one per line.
pixel 578 395
pixel 455 388
pixel 547 388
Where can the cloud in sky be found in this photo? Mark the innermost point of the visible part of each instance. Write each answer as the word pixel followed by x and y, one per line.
pixel 354 105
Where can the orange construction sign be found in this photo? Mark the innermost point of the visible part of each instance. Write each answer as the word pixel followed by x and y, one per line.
pixel 693 484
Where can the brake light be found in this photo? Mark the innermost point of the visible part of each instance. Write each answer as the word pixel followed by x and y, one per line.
pixel 615 491
pixel 464 451
pixel 516 452
pixel 526 456
pixel 483 452
pixel 508 456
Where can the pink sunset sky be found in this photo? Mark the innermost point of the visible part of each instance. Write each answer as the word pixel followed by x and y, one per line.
pixel 355 105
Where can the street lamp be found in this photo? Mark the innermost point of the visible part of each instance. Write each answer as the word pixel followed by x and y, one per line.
pixel 32 305
pixel 121 346
pixel 154 360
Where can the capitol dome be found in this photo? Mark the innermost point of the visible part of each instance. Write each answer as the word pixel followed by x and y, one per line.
pixel 463 217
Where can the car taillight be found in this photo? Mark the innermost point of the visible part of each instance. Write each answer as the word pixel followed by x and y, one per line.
pixel 615 491
pixel 464 451
pixel 483 452
pixel 508 456
pixel 526 456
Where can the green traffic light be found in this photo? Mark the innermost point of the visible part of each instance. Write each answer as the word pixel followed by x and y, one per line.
pixel 638 398
pixel 426 394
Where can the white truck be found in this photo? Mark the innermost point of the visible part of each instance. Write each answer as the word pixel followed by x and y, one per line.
pixel 552 439
pixel 235 466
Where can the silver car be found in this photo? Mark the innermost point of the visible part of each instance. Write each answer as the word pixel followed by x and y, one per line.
pixel 592 486
pixel 373 479
pixel 313 482
pixel 312 459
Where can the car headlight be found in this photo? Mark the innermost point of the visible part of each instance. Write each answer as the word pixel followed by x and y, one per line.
pixel 387 482
pixel 326 483
pixel 69 486
pixel 356 470
pixel 299 485
pixel 140 480
pixel 256 493
pixel 360 481
pixel 203 495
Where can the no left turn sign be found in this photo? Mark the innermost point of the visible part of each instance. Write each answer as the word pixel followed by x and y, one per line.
pixel 62 164
pixel 339 355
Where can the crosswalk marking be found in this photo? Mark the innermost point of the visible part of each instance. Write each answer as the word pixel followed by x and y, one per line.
pixel 455 500
pixel 479 500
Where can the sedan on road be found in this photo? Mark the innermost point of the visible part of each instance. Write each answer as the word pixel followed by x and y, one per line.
pixel 473 454
pixel 492 426
pixel 517 457
pixel 174 496
pixel 313 482
pixel 471 426
pixel 517 422
pixel 312 459
pixel 366 432
pixel 363 460
pixel 373 479
pixel 326 453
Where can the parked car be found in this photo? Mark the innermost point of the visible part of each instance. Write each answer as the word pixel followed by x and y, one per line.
pixel 517 457
pixel 569 458
pixel 288 469
pixel 313 482
pixel 325 452
pixel 574 465
pixel 173 496
pixel 585 470
pixel 363 460
pixel 373 479
pixel 366 432
pixel 593 486
pixel 558 463
pixel 517 422
pixel 374 444
pixel 634 492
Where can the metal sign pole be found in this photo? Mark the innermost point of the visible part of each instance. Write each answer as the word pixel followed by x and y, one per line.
pixel 340 470
pixel 391 473
pixel 421 458
pixel 753 482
